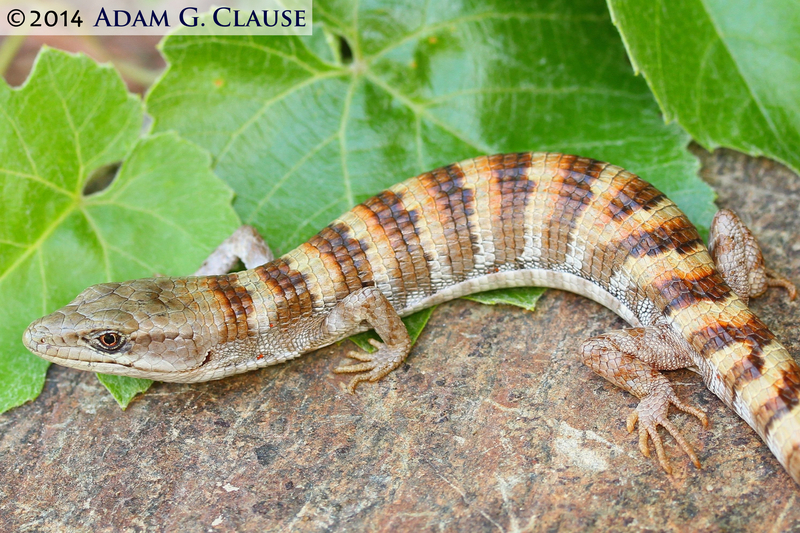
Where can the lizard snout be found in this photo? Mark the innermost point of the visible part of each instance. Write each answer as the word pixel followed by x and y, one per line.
pixel 35 336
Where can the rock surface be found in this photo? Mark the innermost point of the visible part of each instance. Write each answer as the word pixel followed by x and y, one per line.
pixel 493 424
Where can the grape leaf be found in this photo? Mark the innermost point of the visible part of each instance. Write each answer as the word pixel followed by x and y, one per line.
pixel 301 138
pixel 123 388
pixel 71 118
pixel 305 127
pixel 727 70
pixel 283 124
pixel 525 297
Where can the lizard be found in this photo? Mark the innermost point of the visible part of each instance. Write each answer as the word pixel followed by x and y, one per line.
pixel 507 220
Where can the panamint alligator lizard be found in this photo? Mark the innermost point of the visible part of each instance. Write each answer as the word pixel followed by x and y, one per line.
pixel 502 221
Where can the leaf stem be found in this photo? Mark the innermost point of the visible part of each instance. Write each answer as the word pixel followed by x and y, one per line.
pixel 8 51
pixel 135 73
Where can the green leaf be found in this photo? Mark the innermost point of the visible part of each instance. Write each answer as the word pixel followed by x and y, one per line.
pixel 727 70
pixel 71 118
pixel 124 389
pixel 414 324
pixel 301 139
pixel 302 136
pixel 525 297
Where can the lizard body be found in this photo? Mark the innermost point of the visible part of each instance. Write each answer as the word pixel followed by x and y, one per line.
pixel 509 220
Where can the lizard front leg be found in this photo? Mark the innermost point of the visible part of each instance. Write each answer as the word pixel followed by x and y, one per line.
pixel 369 305
pixel 631 359
pixel 366 305
pixel 738 258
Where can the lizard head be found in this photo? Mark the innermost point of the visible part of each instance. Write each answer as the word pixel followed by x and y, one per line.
pixel 139 328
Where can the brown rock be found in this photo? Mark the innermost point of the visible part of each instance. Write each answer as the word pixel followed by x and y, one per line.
pixel 493 424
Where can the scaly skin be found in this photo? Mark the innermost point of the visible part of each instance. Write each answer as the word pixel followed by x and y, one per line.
pixel 507 220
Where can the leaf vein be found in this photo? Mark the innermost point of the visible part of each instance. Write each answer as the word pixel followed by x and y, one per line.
pixel 300 162
pixel 101 241
pixel 765 114
pixel 426 30
pixel 38 242
pixel 342 134
pixel 269 103
pixel 38 179
pixel 420 110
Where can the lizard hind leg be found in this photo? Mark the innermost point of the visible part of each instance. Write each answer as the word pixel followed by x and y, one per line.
pixel 738 258
pixel 631 359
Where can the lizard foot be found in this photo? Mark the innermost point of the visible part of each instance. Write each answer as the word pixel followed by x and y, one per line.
pixel 373 366
pixel 651 413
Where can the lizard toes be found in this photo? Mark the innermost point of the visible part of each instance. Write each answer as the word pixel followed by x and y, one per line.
pixel 678 436
pixel 375 374
pixel 643 438
pixel 648 431
pixel 361 356
pixel 351 387
pixel 372 366
pixel 631 423
pixel 376 343
pixel 698 413
pixel 359 367
pixel 776 280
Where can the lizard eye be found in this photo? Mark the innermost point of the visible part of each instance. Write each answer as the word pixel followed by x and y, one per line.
pixel 110 340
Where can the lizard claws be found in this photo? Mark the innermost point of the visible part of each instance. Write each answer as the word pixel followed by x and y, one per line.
pixel 651 413
pixel 373 366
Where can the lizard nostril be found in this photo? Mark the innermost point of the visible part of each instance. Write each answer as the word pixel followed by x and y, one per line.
pixel 27 337
pixel 33 336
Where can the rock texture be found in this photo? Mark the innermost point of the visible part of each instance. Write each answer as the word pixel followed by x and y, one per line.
pixel 493 424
